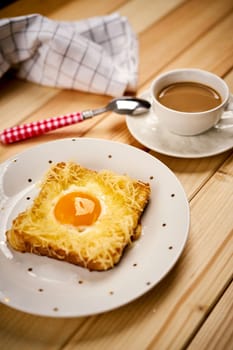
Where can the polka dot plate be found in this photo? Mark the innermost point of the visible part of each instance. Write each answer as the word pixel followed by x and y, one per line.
pixel 47 287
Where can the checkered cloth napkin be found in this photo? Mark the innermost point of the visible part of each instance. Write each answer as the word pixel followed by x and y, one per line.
pixel 98 55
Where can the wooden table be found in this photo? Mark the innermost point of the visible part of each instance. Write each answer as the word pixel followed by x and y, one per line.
pixel 192 307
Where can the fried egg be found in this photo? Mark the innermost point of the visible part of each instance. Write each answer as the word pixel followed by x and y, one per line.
pixel 81 216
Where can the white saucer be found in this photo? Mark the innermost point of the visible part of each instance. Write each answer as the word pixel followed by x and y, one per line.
pixel 148 131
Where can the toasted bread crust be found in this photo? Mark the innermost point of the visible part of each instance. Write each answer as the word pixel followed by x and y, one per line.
pixel 26 245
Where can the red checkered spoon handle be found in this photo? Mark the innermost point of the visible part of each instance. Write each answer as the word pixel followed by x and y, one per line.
pixel 22 132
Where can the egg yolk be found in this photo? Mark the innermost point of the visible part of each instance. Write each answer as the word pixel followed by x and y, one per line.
pixel 77 209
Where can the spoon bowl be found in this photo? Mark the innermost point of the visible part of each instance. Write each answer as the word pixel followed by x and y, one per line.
pixel 129 105
pixel 121 105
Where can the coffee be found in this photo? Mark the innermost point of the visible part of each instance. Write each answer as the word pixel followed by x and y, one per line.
pixel 189 97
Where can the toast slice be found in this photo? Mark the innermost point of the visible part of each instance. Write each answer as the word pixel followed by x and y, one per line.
pixel 81 216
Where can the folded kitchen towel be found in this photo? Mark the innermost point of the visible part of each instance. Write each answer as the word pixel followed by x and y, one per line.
pixel 98 54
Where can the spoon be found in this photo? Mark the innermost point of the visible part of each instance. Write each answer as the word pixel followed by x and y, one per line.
pixel 122 105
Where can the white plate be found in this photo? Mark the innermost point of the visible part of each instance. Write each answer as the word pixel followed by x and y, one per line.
pixel 148 131
pixel 44 286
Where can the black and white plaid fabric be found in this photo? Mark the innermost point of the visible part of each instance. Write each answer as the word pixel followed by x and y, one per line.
pixel 98 55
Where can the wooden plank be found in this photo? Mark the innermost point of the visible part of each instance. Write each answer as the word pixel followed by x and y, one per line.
pixel 218 43
pixel 61 9
pixel 217 331
pixel 75 10
pixel 19 99
pixel 167 39
pixel 207 225
pixel 23 331
pixel 193 175
pixel 142 14
pixel 24 7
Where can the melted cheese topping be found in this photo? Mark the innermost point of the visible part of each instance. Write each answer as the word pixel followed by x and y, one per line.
pixel 103 240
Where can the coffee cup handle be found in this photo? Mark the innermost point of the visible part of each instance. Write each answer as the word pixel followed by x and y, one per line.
pixel 226 121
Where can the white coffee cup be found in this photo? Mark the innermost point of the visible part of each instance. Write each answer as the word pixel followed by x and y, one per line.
pixel 189 123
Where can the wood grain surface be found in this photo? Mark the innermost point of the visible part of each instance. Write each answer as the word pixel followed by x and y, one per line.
pixel 192 307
